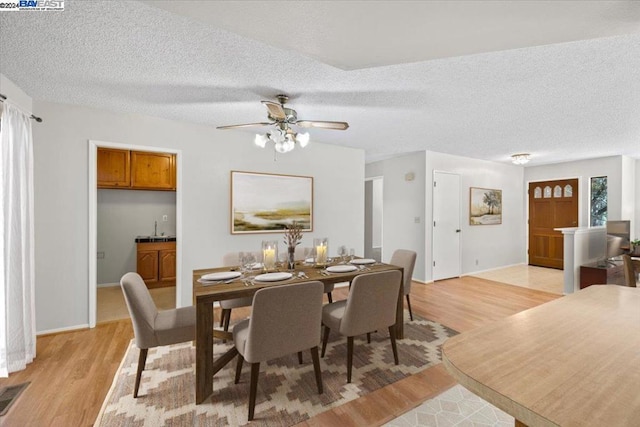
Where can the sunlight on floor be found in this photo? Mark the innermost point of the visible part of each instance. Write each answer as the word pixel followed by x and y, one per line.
pixel 111 305
pixel 538 278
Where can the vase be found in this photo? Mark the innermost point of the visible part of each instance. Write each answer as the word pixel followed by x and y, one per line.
pixel 269 255
pixel 321 246
pixel 291 261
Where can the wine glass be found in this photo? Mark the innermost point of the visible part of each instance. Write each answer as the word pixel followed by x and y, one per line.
pixel 249 261
pixel 352 254
pixel 342 253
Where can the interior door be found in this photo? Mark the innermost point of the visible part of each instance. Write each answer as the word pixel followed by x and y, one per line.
pixel 446 225
pixel 552 204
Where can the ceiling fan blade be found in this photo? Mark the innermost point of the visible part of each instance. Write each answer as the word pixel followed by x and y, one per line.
pixel 275 110
pixel 247 125
pixel 322 124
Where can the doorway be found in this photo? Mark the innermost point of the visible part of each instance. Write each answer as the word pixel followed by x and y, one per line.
pixel 446 225
pixel 373 202
pixel 552 204
pixel 93 221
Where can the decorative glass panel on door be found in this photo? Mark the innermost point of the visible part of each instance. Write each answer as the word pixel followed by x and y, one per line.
pixel 557 191
pixel 537 193
pixel 568 191
pixel 547 192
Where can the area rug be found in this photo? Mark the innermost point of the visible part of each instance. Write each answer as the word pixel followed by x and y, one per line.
pixel 287 392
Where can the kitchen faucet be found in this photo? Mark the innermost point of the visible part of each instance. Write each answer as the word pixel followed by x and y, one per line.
pixel 155 228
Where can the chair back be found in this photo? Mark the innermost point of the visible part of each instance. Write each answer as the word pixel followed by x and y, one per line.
pixel 284 320
pixel 372 303
pixel 142 309
pixel 629 271
pixel 407 260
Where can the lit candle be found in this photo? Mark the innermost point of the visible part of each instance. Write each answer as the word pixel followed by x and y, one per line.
pixel 269 258
pixel 321 254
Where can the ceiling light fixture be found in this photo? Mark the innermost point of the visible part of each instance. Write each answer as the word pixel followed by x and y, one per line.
pixel 520 158
pixel 284 140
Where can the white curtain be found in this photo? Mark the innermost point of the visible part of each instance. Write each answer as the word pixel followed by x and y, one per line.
pixel 17 312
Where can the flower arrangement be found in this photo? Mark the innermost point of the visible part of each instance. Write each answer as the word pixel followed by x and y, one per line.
pixel 292 238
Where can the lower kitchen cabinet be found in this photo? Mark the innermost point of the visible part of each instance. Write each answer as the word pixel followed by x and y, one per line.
pixel 156 263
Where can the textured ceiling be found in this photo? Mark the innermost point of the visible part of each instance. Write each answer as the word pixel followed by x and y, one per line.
pixel 556 99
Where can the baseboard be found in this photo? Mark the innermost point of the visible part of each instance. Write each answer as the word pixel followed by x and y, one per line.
pixel 62 330
pixel 108 285
pixel 472 273
pixel 422 282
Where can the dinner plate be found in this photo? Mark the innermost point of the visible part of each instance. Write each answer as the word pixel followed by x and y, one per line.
pixel 310 261
pixel 256 266
pixel 273 277
pixel 341 268
pixel 221 275
pixel 361 261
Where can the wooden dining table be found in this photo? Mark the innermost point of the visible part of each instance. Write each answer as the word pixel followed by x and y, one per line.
pixel 574 361
pixel 205 294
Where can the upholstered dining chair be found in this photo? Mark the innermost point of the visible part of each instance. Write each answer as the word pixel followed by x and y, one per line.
pixel 229 260
pixel 153 328
pixel 284 320
pixel 407 260
pixel 299 255
pixel 371 305
pixel 630 270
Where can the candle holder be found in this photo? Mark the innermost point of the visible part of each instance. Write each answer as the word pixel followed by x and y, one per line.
pixel 321 245
pixel 269 254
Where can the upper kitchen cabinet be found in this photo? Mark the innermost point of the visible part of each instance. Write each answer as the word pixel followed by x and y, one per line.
pixel 136 170
pixel 153 171
pixel 113 168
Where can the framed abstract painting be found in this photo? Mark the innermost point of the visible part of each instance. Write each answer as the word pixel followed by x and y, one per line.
pixel 485 206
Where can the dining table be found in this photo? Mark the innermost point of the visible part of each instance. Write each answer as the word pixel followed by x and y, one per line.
pixel 206 293
pixel 569 362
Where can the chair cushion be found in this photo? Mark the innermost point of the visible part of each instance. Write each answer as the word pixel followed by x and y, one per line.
pixel 332 314
pixel 175 326
pixel 240 334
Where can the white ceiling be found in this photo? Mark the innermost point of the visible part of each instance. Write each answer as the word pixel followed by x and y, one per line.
pixel 482 79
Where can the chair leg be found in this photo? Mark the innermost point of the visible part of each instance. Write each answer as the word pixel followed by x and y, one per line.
pixel 142 359
pixel 325 338
pixel 238 368
pixel 300 357
pixel 316 368
pixel 227 319
pixel 223 313
pixel 349 357
pixel 329 297
pixel 409 305
pixel 392 335
pixel 368 337
pixel 253 388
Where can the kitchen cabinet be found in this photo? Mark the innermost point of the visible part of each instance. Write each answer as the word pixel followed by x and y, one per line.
pixel 136 170
pixel 153 171
pixel 156 263
pixel 114 169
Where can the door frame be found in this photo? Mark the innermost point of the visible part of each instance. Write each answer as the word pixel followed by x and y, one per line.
pixel 526 206
pixel 380 178
pixel 433 246
pixel 93 217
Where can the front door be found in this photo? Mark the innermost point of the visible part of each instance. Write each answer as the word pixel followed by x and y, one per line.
pixel 552 204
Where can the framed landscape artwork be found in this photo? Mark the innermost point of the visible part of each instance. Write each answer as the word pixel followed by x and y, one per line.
pixel 266 203
pixel 485 206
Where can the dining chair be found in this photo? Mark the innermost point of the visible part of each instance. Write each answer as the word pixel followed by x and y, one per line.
pixel 153 328
pixel 276 329
pixel 407 260
pixel 630 272
pixel 300 255
pixel 370 306
pixel 229 260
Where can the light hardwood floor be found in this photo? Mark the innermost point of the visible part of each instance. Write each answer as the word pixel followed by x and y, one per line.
pixel 73 371
pixel 111 305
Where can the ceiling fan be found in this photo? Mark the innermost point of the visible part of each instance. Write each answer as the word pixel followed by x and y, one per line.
pixel 283 116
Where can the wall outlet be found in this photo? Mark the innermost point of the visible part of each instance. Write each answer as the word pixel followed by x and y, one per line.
pixel 416 220
pixel 165 218
pixel 100 255
pixel 476 262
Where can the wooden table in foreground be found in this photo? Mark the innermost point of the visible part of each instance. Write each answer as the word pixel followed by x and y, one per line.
pixel 574 361
pixel 205 295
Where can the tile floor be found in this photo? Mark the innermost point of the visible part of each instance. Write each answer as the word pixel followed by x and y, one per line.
pixel 455 407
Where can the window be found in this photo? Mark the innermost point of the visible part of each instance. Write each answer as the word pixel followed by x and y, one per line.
pixel 598 207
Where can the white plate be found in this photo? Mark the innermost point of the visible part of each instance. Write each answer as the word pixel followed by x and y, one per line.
pixel 221 275
pixel 341 268
pixel 256 266
pixel 273 277
pixel 310 261
pixel 362 261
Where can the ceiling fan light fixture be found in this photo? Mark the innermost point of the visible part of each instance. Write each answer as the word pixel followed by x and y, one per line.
pixel 303 139
pixel 520 158
pixel 261 140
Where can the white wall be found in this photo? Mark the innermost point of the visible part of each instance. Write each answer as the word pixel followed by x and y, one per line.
pixel 629 186
pixel 122 216
pixel 15 95
pixel 207 156
pixel 584 170
pixel 492 246
pixel 635 232
pixel 403 202
pixel 376 217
